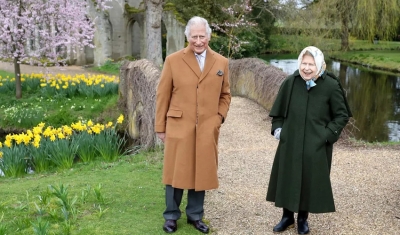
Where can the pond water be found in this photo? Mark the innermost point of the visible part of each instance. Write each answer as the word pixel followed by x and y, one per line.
pixel 373 96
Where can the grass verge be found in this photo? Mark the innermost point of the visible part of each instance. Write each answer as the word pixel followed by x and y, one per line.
pixel 294 44
pixel 383 60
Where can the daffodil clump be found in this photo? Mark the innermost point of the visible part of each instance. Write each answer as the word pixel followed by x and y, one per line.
pixel 44 147
pixel 91 85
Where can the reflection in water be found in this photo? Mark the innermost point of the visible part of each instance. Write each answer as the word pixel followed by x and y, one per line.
pixel 371 100
pixel 374 98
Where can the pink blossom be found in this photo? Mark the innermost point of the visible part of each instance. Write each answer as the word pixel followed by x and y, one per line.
pixel 46 27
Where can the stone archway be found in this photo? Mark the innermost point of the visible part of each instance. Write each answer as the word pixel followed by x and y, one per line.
pixel 136 39
pixel 134 36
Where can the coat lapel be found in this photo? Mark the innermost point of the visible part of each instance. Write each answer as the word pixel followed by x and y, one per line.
pixel 191 61
pixel 208 64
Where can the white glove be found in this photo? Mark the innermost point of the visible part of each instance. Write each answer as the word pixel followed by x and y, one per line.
pixel 277 133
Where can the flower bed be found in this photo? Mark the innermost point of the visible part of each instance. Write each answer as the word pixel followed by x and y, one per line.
pixel 58 144
pixel 91 85
pixel 43 148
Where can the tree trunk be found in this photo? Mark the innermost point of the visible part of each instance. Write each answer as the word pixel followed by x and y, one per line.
pixel 17 67
pixel 18 85
pixel 154 10
pixel 345 31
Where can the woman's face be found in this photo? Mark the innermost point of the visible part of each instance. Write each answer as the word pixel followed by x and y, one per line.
pixel 308 69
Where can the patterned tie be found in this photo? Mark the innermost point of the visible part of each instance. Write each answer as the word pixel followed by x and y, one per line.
pixel 200 61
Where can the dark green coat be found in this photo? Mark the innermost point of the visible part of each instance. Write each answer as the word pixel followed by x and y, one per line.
pixel 311 122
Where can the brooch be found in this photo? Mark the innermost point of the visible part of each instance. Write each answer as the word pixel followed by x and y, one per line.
pixel 220 73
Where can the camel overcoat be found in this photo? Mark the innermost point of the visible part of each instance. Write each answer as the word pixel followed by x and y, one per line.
pixel 311 122
pixel 189 106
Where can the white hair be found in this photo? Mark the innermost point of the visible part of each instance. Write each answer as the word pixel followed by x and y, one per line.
pixel 196 20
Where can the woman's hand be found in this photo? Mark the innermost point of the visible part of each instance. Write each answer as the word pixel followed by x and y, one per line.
pixel 277 133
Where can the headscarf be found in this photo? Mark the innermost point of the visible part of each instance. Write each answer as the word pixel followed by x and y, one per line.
pixel 318 58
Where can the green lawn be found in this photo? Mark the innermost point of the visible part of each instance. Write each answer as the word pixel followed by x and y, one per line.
pixel 4 74
pixel 131 188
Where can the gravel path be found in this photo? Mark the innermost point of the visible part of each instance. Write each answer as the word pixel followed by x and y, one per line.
pixel 365 181
pixel 72 69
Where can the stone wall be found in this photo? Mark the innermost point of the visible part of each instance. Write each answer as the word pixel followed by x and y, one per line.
pixel 137 98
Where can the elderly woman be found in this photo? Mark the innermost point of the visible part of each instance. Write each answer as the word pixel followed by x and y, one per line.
pixel 308 115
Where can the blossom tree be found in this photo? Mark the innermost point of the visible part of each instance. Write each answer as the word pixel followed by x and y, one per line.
pixel 237 22
pixel 41 31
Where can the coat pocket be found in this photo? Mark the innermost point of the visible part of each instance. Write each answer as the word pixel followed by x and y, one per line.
pixel 174 124
pixel 174 113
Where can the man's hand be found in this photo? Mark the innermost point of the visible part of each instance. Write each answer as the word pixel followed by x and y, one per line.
pixel 161 135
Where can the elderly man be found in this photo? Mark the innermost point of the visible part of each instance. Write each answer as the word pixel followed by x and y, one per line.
pixel 193 98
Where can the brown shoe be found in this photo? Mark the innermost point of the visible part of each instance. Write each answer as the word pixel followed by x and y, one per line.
pixel 199 225
pixel 170 226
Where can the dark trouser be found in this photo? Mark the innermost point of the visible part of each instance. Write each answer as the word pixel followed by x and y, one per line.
pixel 194 207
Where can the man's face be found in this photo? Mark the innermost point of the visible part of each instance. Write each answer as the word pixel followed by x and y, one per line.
pixel 198 40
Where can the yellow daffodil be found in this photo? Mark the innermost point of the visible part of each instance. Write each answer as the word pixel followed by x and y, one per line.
pixel 8 143
pixel 26 138
pixel 67 130
pixel 36 142
pixel 61 135
pixel 37 130
pixel 96 129
pixel 78 126
pixel 120 119
pixel 48 132
pixel 29 133
pixel 18 139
